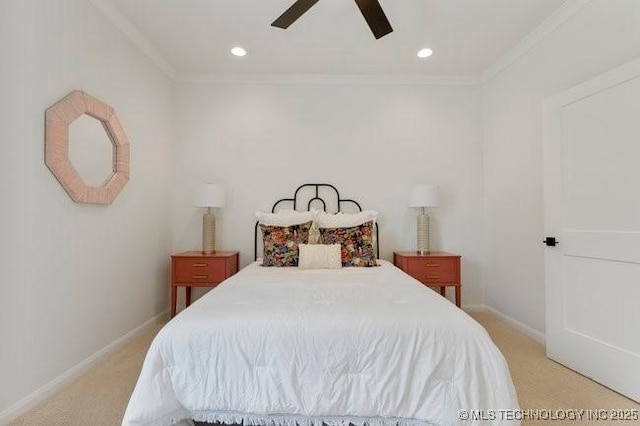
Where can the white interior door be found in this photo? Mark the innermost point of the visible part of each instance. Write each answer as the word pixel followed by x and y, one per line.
pixel 592 206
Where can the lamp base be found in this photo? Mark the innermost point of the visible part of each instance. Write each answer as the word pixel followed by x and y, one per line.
pixel 208 233
pixel 423 233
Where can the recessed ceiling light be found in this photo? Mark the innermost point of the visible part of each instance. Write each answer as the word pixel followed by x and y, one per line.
pixel 425 53
pixel 238 51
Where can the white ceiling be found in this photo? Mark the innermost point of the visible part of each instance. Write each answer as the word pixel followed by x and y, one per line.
pixel 467 36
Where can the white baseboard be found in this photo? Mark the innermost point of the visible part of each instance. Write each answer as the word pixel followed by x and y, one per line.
pixel 474 308
pixel 529 331
pixel 523 328
pixel 25 404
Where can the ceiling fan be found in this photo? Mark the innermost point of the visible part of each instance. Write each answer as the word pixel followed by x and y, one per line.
pixel 371 10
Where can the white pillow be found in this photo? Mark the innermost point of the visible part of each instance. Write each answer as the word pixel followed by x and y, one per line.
pixel 285 217
pixel 344 220
pixel 319 256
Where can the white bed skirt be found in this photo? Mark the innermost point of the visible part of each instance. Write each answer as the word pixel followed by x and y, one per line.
pixel 254 420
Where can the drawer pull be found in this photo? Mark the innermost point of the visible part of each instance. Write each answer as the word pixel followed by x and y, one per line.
pixel 433 265
pixel 199 277
pixel 199 265
pixel 434 277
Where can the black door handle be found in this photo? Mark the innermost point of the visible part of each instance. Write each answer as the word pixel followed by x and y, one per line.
pixel 551 241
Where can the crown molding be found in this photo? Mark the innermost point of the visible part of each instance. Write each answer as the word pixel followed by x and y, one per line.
pixel 127 28
pixel 548 26
pixel 561 15
pixel 122 23
pixel 330 79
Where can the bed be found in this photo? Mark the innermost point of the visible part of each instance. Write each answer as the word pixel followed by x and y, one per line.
pixel 287 346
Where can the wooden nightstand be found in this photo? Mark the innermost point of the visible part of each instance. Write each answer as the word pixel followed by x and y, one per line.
pixel 195 269
pixel 436 269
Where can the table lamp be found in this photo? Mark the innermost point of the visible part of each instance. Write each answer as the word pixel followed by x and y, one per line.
pixel 209 195
pixel 423 196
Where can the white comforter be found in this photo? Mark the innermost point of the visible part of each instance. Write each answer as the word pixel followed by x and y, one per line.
pixel 280 346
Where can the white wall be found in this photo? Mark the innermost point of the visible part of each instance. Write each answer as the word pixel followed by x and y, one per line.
pixel 75 277
pixel 599 37
pixel 371 141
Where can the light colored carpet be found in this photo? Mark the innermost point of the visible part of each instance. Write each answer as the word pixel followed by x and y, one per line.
pixel 100 396
pixel 545 384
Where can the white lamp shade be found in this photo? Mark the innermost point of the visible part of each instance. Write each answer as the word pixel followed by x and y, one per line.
pixel 210 195
pixel 424 195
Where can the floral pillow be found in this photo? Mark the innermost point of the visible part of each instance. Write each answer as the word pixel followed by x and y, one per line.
pixel 281 243
pixel 356 243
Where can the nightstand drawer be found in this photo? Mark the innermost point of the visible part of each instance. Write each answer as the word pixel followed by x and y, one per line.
pixel 196 270
pixel 433 270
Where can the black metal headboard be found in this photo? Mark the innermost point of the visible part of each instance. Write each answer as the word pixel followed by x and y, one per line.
pixel 316 194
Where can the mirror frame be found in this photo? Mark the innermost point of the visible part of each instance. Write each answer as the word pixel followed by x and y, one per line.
pixel 57 120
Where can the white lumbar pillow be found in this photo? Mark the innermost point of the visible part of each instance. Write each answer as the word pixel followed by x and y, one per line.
pixel 285 217
pixel 344 220
pixel 319 256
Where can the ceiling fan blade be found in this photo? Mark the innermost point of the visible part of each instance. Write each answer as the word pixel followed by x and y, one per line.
pixel 293 13
pixel 375 17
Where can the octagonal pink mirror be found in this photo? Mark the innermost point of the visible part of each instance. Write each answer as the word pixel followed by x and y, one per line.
pixel 58 119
